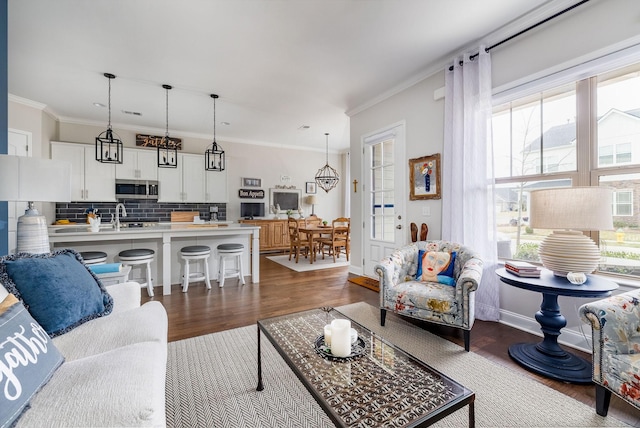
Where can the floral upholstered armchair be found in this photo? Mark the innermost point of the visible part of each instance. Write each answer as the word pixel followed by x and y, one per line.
pixel 433 281
pixel 615 323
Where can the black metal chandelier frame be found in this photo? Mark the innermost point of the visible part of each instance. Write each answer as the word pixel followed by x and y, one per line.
pixel 109 146
pixel 214 156
pixel 327 178
pixel 167 149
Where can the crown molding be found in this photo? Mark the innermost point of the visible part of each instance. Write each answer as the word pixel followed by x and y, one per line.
pixel 507 30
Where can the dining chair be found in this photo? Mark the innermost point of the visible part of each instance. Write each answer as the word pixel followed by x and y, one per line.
pixel 297 241
pixel 339 239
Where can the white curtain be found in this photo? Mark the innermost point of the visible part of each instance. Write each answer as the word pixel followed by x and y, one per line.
pixel 467 172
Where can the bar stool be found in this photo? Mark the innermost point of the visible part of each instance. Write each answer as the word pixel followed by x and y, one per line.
pixel 195 253
pixel 225 251
pixel 139 256
pixel 94 257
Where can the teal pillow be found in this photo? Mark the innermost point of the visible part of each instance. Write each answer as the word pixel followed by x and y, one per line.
pixel 57 289
pixel 29 361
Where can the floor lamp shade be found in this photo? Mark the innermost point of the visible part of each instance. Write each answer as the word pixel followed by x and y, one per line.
pixel 29 180
pixel 572 209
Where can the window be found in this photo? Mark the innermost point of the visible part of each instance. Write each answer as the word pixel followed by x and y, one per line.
pixel 586 133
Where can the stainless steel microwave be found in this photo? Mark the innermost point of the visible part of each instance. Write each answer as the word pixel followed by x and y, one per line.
pixel 136 189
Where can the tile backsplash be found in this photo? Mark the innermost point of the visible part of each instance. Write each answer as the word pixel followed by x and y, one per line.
pixel 136 210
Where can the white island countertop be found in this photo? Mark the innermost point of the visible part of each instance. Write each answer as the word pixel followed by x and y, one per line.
pixel 164 232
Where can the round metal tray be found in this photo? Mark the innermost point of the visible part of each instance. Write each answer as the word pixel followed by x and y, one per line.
pixel 357 349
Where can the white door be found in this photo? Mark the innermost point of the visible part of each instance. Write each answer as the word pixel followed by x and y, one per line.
pixel 19 145
pixel 386 177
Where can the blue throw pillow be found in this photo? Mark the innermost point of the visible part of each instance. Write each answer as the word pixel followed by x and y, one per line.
pixel 419 272
pixel 57 289
pixel 449 270
pixel 28 360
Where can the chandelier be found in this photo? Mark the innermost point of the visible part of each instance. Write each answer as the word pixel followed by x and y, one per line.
pixel 214 158
pixel 167 150
pixel 108 148
pixel 326 177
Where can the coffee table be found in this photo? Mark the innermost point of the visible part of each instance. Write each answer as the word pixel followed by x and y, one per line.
pixel 384 387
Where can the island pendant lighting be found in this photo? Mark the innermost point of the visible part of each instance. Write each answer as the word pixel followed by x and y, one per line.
pixel 327 178
pixel 214 158
pixel 108 147
pixel 167 150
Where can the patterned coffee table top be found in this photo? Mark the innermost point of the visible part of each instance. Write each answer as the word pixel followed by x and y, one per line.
pixel 384 387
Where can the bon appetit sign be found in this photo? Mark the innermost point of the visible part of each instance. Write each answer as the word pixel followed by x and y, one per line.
pixel 250 194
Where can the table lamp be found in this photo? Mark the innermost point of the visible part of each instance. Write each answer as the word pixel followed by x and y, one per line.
pixel 29 180
pixel 574 209
pixel 311 200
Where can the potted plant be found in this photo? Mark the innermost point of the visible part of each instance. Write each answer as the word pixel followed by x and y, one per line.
pixel 325 222
pixel 289 213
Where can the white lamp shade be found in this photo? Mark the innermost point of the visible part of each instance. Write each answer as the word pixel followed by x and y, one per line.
pixel 572 208
pixel 312 200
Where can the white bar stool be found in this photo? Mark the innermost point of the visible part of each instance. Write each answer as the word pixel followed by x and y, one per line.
pixel 94 257
pixel 225 251
pixel 139 256
pixel 195 253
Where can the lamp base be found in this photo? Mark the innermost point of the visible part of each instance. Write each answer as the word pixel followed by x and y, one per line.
pixel 32 232
pixel 569 251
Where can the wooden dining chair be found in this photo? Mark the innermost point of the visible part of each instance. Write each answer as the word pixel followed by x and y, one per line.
pixel 339 240
pixel 298 242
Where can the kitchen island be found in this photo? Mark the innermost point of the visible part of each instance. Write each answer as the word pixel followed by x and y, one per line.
pixel 166 239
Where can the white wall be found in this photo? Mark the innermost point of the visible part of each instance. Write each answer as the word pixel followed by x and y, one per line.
pixel 589 30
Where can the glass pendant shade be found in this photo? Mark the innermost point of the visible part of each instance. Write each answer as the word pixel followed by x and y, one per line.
pixel 214 158
pixel 327 178
pixel 167 149
pixel 108 144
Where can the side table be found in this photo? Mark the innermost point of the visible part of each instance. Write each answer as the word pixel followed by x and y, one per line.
pixel 547 357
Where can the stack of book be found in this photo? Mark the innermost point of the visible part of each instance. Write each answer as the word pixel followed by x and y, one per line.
pixel 522 269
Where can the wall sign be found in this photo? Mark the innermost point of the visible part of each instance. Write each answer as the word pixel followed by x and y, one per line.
pixel 250 194
pixel 143 140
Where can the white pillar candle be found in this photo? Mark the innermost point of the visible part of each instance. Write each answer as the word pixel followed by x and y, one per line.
pixel 327 335
pixel 341 338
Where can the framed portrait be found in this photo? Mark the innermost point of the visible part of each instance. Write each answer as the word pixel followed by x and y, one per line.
pixel 424 177
pixel 311 187
pixel 251 182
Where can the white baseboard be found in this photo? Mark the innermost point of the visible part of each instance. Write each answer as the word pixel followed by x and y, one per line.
pixel 580 340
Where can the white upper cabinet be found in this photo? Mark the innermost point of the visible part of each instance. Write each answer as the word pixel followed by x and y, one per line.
pixel 216 186
pixel 138 164
pixel 184 183
pixel 90 180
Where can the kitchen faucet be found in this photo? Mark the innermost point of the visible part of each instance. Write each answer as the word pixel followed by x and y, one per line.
pixel 124 214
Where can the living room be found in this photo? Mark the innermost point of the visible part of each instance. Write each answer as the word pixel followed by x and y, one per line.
pixel 561 44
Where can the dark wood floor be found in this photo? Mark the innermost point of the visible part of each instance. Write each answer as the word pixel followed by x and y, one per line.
pixel 282 291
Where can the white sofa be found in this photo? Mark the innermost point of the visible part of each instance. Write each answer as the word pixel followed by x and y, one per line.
pixel 114 370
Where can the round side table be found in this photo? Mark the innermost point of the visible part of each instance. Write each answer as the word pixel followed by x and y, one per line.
pixel 547 357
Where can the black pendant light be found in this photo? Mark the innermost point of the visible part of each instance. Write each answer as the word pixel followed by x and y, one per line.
pixel 108 147
pixel 167 150
pixel 327 178
pixel 214 159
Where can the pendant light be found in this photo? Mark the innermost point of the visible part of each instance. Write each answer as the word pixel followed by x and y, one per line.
pixel 326 177
pixel 167 150
pixel 108 148
pixel 214 158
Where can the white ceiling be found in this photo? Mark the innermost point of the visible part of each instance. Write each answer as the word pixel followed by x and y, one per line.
pixel 276 64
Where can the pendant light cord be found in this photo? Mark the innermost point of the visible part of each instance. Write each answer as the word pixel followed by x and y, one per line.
pixel 166 133
pixel 214 120
pixel 327 146
pixel 109 102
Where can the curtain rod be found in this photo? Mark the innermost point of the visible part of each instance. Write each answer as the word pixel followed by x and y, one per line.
pixel 519 33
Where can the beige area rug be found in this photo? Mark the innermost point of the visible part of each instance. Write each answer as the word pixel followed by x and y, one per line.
pixel 303 264
pixel 211 382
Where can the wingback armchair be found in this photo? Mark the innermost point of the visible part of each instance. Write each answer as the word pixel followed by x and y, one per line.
pixel 615 324
pixel 447 300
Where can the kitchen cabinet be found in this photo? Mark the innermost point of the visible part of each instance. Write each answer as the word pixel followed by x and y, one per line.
pixel 274 233
pixel 184 183
pixel 138 164
pixel 216 186
pixel 90 180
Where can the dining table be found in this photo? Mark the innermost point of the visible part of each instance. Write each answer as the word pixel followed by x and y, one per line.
pixel 312 231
